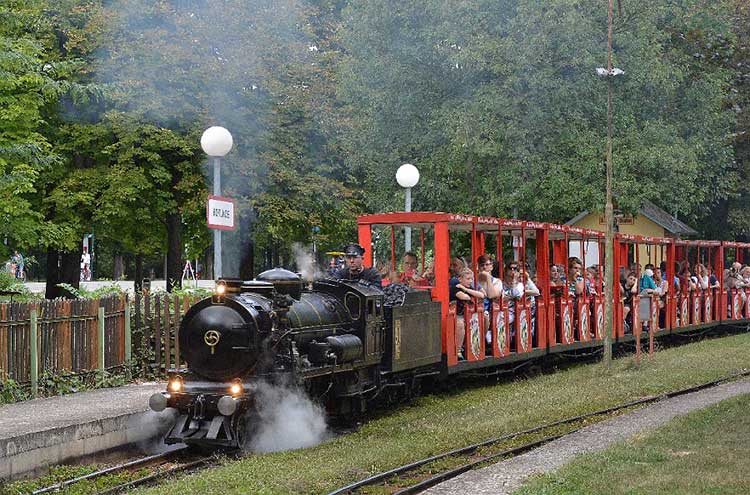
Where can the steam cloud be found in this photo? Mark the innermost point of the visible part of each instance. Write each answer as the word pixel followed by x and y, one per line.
pixel 287 419
pixel 152 427
pixel 306 262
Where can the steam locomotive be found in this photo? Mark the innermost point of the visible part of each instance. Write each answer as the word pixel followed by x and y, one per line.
pixel 336 338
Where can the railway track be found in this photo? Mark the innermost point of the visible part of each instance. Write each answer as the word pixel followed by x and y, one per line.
pixel 144 470
pixel 429 472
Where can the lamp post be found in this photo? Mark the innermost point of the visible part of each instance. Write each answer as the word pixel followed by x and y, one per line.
pixel 609 268
pixel 407 177
pixel 216 142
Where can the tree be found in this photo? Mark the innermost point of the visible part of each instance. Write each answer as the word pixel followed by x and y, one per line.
pixel 499 105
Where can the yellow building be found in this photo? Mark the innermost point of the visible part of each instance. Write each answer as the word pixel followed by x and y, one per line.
pixel 649 221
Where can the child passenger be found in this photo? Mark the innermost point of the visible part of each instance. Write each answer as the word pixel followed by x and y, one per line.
pixel 462 293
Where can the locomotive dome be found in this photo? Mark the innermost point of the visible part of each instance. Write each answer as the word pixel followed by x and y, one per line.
pixel 284 281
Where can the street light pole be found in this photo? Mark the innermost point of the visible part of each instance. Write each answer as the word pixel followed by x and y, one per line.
pixel 609 267
pixel 407 208
pixel 216 142
pixel 217 233
pixel 407 177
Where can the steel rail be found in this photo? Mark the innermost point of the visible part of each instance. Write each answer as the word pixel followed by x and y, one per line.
pixel 470 448
pixel 109 470
pixel 155 476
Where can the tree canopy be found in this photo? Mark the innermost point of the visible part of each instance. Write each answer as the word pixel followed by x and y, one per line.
pixel 496 102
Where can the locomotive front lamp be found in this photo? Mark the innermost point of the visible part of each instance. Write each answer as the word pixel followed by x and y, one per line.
pixel 216 142
pixel 236 388
pixel 221 288
pixel 407 177
pixel 175 384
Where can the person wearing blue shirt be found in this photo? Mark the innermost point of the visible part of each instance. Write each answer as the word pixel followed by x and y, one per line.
pixel 647 284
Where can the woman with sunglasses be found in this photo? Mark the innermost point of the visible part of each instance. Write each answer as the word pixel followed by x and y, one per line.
pixel 493 288
pixel 513 290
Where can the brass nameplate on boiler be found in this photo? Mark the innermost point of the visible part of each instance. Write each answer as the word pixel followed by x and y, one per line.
pixel 397 339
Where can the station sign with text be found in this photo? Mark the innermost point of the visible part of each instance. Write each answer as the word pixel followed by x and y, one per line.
pixel 220 213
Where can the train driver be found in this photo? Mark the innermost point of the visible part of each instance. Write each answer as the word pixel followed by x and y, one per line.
pixel 354 269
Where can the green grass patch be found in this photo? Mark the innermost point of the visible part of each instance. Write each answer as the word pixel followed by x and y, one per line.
pixel 707 451
pixel 437 423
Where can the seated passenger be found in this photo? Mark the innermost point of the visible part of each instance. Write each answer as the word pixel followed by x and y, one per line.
pixel 531 291
pixel 687 282
pixel 409 275
pixel 630 289
pixel 492 287
pixel 513 290
pixel 456 266
pixel 701 277
pixel 556 282
pixel 463 292
pixel 576 283
pixel 648 284
pixel 428 277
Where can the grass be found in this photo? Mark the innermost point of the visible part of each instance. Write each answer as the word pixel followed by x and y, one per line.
pixel 707 451
pixel 437 423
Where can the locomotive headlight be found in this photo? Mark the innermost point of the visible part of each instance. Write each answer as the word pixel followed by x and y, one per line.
pixel 221 288
pixel 227 405
pixel 175 384
pixel 236 387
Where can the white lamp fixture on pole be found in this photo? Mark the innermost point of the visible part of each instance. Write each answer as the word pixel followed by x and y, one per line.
pixel 216 142
pixel 407 177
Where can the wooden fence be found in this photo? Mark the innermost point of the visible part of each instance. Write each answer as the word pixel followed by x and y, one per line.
pixel 83 335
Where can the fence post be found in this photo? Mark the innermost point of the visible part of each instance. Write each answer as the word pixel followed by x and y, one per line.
pixel 34 354
pixel 128 336
pixel 101 338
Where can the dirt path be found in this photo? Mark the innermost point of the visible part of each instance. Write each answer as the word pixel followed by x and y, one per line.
pixel 506 476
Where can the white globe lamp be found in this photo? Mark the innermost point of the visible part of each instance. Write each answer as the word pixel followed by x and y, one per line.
pixel 407 175
pixel 216 141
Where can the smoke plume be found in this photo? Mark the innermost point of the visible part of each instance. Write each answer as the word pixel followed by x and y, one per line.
pixel 305 261
pixel 286 419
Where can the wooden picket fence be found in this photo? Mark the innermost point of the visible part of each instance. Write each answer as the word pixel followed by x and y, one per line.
pixel 84 335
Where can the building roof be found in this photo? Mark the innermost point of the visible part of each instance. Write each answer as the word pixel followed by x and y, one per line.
pixel 660 217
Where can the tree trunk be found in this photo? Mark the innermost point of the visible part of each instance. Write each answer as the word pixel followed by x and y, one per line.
pixel 247 261
pixel 62 268
pixel 138 278
pixel 174 251
pixel 208 268
pixel 119 267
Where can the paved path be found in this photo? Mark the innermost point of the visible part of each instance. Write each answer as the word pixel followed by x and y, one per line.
pixel 505 477
pixel 126 285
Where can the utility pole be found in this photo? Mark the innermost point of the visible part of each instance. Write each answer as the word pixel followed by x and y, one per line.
pixel 609 254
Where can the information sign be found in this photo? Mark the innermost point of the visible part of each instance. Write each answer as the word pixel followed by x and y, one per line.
pixel 220 213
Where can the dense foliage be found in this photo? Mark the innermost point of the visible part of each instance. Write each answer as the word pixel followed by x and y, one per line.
pixel 497 102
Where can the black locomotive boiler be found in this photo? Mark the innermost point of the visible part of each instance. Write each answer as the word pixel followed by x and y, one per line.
pixel 336 338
